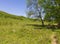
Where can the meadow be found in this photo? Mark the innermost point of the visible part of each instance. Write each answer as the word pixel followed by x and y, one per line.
pixel 21 30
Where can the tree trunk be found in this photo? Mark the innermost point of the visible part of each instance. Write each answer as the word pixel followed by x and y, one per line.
pixel 41 19
pixel 58 25
pixel 42 22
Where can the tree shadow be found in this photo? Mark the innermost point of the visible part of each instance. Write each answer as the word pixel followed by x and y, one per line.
pixel 51 27
pixel 36 26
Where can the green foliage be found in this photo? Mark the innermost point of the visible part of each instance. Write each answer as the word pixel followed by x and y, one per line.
pixel 52 9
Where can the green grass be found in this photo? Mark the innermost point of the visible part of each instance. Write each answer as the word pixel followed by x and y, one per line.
pixel 16 31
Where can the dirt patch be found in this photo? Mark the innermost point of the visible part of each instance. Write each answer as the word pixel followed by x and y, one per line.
pixel 54 39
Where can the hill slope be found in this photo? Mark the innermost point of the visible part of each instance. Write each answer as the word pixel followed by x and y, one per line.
pixel 7 15
pixel 13 30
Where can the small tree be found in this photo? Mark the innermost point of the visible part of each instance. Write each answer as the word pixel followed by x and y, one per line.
pixel 34 9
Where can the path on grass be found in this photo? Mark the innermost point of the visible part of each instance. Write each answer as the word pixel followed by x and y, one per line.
pixel 54 38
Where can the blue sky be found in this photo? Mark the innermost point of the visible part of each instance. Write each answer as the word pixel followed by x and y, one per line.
pixel 16 7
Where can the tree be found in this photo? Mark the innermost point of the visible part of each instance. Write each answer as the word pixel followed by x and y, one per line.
pixel 34 9
pixel 52 9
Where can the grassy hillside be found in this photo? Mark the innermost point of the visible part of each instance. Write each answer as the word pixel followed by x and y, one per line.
pixel 6 15
pixel 21 30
